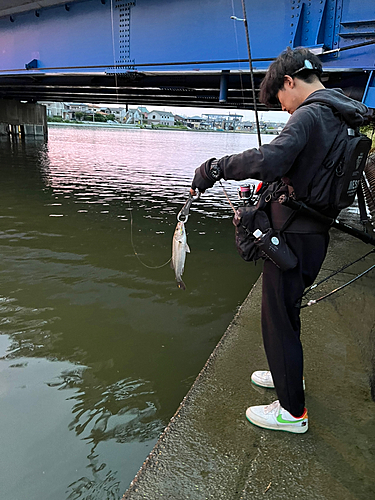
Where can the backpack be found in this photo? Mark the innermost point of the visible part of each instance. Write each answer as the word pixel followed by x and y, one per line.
pixel 337 181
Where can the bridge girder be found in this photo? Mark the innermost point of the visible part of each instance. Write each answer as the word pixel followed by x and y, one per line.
pixel 187 89
pixel 175 52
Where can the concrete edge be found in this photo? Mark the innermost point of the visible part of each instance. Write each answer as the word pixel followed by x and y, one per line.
pixel 189 396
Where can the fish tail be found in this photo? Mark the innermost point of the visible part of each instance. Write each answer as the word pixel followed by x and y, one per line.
pixel 181 284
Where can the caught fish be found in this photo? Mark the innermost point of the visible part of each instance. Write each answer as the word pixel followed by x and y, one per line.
pixel 179 250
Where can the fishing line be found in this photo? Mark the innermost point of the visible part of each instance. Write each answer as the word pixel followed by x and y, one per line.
pixel 238 55
pixel 227 197
pixel 251 71
pixel 135 251
pixel 113 50
pixel 251 68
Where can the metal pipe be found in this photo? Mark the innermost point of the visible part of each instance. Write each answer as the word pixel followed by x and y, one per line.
pixel 348 47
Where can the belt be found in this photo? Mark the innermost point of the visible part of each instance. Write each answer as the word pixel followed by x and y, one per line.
pixel 299 223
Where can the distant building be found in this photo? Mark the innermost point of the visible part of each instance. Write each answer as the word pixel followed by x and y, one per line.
pixel 73 108
pixel 247 125
pixel 136 116
pixel 144 112
pixel 56 109
pixel 119 113
pixel 180 119
pixel 160 118
pixel 133 116
pixel 194 121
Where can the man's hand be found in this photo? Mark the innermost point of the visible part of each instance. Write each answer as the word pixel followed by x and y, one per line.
pixel 206 175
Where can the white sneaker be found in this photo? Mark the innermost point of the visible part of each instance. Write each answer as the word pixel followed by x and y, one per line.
pixel 264 379
pixel 275 417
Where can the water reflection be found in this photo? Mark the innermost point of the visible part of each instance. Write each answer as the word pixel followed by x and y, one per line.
pixel 105 346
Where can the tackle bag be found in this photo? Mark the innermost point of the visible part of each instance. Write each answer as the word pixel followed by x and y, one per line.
pixel 248 219
pixel 270 244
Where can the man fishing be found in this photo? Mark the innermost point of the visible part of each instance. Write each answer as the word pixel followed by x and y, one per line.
pixel 294 158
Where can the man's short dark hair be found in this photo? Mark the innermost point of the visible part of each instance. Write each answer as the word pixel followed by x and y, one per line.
pixel 288 63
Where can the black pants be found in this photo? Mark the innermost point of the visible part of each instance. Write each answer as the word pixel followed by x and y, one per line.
pixel 281 326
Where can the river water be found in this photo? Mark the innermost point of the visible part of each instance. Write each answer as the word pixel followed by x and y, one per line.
pixel 97 350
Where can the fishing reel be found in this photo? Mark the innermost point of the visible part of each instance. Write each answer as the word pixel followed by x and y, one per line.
pixel 249 193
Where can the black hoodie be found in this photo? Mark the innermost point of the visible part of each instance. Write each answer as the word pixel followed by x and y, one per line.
pixel 300 149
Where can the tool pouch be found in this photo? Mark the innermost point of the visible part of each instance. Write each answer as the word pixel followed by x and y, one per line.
pixel 272 243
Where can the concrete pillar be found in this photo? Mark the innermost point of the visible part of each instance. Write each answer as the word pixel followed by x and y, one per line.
pixel 19 119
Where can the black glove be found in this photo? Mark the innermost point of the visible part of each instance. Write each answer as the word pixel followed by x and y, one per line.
pixel 206 175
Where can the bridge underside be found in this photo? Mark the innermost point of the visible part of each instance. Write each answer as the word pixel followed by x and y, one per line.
pixel 198 89
pixel 176 52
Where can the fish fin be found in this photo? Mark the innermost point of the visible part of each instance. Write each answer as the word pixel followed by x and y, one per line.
pixel 181 285
pixel 187 248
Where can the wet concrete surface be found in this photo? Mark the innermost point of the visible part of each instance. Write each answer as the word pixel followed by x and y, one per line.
pixel 209 449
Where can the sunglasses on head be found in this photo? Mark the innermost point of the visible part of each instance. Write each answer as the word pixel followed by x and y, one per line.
pixel 306 65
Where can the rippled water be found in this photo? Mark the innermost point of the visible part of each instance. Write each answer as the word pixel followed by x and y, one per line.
pixel 96 350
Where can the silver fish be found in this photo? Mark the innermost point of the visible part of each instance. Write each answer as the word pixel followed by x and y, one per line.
pixel 179 250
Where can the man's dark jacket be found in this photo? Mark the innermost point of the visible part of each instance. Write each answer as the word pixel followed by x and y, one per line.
pixel 302 146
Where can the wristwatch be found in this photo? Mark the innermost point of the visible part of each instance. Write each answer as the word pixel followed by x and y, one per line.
pixel 215 171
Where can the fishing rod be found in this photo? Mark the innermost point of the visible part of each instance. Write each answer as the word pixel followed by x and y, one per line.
pixel 341 226
pixel 316 301
pixel 244 20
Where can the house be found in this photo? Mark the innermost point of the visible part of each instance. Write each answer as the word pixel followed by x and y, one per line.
pixel 133 116
pixel 56 109
pixel 143 112
pixel 179 120
pixel 119 113
pixel 136 116
pixel 160 118
pixel 194 121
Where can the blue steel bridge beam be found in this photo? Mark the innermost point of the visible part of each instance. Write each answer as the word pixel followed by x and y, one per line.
pixel 178 89
pixel 159 43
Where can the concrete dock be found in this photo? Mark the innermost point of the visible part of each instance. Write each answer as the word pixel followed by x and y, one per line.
pixel 210 451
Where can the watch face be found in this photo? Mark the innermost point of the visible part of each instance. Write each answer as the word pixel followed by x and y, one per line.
pixel 215 171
